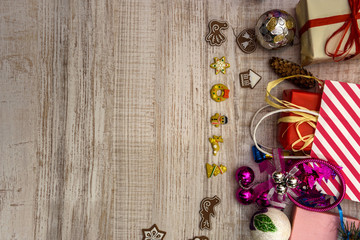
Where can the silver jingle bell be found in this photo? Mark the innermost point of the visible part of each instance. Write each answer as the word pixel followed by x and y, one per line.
pixel 291 182
pixel 278 177
pixel 281 189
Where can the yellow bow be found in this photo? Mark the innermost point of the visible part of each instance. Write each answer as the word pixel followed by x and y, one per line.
pixel 300 117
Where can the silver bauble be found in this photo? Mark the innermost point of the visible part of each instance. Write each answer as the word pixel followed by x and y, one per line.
pixel 281 189
pixel 278 177
pixel 291 182
pixel 275 29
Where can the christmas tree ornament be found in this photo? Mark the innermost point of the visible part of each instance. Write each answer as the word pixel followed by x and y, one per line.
pixel 278 177
pixel 215 140
pixel 270 224
pixel 262 200
pixel 220 65
pixel 285 68
pixel 245 196
pixel 219 92
pixel 215 37
pixel 214 170
pixel 245 176
pixel 275 29
pixel 218 119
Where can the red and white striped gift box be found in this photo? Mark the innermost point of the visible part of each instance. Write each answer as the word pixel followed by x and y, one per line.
pixel 337 135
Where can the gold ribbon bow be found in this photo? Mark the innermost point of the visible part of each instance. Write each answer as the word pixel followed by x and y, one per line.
pixel 300 117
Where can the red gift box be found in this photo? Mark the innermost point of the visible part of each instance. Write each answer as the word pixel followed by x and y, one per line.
pixel 287 134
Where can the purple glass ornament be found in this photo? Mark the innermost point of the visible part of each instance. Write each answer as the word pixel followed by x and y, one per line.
pixel 245 176
pixel 245 196
pixel 262 200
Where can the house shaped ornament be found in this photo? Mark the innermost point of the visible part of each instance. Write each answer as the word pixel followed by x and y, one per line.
pixel 249 79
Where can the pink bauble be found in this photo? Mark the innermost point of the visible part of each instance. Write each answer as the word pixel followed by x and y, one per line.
pixel 245 176
pixel 245 196
pixel 262 200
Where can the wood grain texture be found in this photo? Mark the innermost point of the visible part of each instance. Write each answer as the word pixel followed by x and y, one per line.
pixel 104 111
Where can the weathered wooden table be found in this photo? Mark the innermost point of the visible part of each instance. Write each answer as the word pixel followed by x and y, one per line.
pixel 104 116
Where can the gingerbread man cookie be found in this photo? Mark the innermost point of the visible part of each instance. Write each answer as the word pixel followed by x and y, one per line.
pixel 218 120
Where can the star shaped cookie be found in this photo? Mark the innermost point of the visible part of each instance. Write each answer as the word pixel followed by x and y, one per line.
pixel 153 233
pixel 220 65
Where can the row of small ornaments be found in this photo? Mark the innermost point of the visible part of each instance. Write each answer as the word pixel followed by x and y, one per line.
pixel 219 92
pixel 220 65
pixel 274 29
pixel 247 79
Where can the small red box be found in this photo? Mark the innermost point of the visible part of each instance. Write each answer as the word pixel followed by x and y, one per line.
pixel 287 131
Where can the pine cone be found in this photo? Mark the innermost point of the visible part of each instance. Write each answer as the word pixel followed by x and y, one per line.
pixel 285 68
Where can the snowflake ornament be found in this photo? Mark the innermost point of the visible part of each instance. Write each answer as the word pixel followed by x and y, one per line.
pixel 153 233
pixel 220 65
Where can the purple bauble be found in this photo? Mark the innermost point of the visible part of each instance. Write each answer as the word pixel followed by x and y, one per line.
pixel 245 196
pixel 245 176
pixel 262 200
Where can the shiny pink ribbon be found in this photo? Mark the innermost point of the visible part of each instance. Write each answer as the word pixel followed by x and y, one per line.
pixel 276 200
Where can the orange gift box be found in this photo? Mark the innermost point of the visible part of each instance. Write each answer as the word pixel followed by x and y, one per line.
pixel 287 134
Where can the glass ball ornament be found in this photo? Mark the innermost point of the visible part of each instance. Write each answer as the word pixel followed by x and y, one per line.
pixel 281 189
pixel 275 29
pixel 291 182
pixel 245 176
pixel 245 196
pixel 278 177
pixel 262 200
